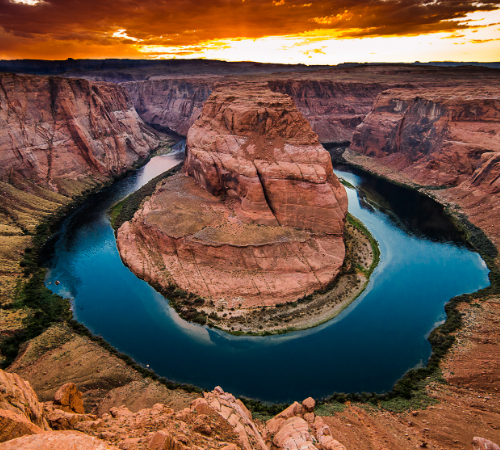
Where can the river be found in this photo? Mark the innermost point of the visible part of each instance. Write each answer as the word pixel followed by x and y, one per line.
pixel 371 344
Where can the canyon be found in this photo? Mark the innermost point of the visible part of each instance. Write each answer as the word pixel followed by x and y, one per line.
pixel 432 128
pixel 259 218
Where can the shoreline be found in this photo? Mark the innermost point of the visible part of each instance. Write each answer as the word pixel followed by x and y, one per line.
pixel 329 310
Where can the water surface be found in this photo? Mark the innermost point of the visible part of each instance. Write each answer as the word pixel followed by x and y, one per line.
pixel 370 345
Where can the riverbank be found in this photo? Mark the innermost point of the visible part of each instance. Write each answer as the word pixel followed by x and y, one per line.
pixel 362 257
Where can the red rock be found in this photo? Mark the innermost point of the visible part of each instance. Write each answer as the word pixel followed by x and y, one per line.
pixel 309 417
pixel 17 396
pixel 261 165
pixel 295 409
pixel 253 145
pixel 309 404
pixel 434 136
pixel 60 440
pixel 69 398
pixel 173 103
pixel 273 425
pixel 294 435
pixel 479 443
pixel 14 425
pixel 328 443
pixel 54 129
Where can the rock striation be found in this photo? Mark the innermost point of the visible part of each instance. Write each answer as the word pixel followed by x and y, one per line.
pixel 170 103
pixel 258 220
pixel 54 130
pixel 437 137
pixel 445 138
pixel 333 108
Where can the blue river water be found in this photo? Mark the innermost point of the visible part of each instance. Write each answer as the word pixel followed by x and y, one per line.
pixel 371 344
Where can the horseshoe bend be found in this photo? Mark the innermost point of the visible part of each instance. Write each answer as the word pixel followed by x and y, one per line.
pixel 256 218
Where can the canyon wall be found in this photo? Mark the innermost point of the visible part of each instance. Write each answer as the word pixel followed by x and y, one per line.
pixel 446 138
pixel 59 138
pixel 333 109
pixel 170 103
pixel 260 218
pixel 57 129
pixel 437 137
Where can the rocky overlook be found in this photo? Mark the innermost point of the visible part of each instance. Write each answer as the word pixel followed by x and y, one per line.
pixel 259 218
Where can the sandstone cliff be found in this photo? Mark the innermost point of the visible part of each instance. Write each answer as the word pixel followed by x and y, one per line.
pixel 259 220
pixel 170 103
pixel 54 130
pixel 447 137
pixel 59 138
pixel 437 137
pixel 333 108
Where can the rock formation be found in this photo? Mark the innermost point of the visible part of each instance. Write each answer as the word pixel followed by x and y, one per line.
pixel 437 137
pixel 445 137
pixel 170 103
pixel 69 399
pixel 57 130
pixel 332 108
pixel 17 396
pixel 260 218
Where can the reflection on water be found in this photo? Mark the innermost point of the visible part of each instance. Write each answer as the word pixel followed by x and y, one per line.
pixel 366 348
pixel 409 210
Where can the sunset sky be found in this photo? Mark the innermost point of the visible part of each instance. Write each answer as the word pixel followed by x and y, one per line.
pixel 284 31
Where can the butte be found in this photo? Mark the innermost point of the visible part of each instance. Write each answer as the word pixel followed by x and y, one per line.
pixel 257 216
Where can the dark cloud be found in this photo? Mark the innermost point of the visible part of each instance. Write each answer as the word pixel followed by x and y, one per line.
pixel 191 22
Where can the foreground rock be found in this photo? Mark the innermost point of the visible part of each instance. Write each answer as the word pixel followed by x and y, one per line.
pixel 17 396
pixel 60 440
pixel 260 218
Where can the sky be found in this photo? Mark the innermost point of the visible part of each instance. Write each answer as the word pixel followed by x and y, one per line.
pixel 279 31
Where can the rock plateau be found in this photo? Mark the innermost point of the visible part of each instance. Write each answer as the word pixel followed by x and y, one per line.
pixel 259 218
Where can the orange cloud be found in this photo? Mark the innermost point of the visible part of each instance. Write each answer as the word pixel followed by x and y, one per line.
pixel 120 28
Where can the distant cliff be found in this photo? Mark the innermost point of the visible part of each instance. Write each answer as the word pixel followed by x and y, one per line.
pixel 333 109
pixel 437 137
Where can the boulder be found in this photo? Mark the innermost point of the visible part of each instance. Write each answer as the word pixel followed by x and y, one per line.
pixel 69 398
pixel 309 404
pixel 14 425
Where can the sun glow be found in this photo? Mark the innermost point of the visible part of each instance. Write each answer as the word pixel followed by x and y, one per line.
pixel 27 2
pixel 327 47
pixel 271 31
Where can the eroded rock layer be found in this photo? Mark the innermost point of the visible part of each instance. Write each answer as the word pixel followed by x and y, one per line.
pixel 57 129
pixel 260 218
pixel 437 137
